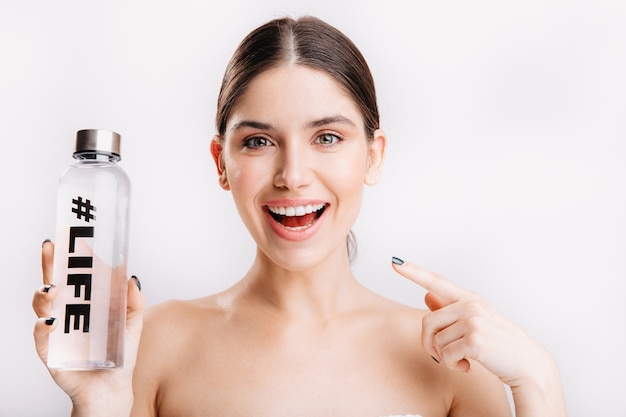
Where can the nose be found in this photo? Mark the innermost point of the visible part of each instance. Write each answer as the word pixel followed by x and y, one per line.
pixel 293 169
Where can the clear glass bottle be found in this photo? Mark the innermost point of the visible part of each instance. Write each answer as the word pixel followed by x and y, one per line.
pixel 90 256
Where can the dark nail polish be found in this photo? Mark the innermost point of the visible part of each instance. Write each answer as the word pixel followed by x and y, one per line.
pixel 44 242
pixel 397 261
pixel 435 359
pixel 50 321
pixel 137 282
pixel 46 288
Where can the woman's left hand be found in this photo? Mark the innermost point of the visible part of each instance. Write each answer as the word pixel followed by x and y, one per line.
pixel 462 326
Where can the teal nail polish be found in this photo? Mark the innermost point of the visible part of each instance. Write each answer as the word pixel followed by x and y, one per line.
pixel 397 261
pixel 137 282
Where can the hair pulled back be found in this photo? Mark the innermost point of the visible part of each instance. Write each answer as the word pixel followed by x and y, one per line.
pixel 306 41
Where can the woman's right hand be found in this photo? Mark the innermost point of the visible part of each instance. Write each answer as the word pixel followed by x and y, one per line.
pixel 93 393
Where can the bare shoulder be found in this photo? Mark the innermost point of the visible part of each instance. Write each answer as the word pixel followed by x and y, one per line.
pixel 399 326
pixel 171 320
pixel 169 330
pixel 478 392
pixel 400 322
pixel 172 310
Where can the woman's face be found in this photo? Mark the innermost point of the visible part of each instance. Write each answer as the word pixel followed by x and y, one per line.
pixel 295 157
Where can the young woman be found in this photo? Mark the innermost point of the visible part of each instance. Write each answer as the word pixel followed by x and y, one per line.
pixel 298 138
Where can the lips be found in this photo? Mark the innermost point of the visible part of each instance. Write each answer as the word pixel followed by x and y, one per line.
pixel 296 217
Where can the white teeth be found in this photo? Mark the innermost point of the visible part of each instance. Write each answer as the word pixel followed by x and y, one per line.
pixel 296 210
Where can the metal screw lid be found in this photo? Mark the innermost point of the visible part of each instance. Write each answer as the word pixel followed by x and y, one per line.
pixel 98 140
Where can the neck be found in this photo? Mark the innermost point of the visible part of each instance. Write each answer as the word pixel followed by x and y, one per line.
pixel 316 293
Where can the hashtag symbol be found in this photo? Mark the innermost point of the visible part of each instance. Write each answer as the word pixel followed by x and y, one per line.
pixel 83 209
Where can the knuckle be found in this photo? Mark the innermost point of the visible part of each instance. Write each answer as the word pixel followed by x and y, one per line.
pixel 437 341
pixel 448 355
pixel 476 326
pixel 473 340
pixel 37 299
pixel 428 326
pixel 474 307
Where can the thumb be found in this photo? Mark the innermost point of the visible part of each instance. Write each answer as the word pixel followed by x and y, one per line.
pixel 134 308
pixel 134 318
pixel 433 302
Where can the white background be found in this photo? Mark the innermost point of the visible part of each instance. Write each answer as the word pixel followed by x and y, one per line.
pixel 505 170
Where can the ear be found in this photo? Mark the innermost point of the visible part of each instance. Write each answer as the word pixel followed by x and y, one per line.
pixel 218 156
pixel 375 157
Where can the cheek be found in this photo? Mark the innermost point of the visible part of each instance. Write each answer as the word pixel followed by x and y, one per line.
pixel 346 178
pixel 245 180
pixel 348 172
pixel 243 190
pixel 239 179
pixel 237 171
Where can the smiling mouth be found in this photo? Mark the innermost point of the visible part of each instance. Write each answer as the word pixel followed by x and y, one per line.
pixel 296 217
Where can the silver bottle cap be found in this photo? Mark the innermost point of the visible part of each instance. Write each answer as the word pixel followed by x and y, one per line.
pixel 98 140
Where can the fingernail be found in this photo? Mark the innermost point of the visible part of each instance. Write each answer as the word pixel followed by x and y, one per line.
pixel 50 321
pixel 136 282
pixel 46 288
pixel 435 359
pixel 44 242
pixel 397 261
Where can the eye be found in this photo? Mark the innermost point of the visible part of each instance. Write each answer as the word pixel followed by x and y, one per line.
pixel 328 139
pixel 256 142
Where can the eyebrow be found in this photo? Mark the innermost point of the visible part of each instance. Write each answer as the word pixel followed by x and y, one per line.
pixel 314 123
pixel 253 124
pixel 330 120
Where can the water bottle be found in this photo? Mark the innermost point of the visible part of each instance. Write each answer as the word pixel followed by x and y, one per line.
pixel 90 257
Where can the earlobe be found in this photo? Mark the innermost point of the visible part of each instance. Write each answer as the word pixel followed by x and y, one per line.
pixel 218 158
pixel 376 156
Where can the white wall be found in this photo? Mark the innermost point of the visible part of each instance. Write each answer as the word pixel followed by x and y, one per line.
pixel 505 170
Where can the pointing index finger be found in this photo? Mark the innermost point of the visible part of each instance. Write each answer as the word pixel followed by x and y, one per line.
pixel 445 290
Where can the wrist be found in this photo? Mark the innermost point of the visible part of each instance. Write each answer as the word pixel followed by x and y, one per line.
pixel 111 404
pixel 539 393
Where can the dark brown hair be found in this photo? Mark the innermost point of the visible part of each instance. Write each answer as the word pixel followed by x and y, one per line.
pixel 306 41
